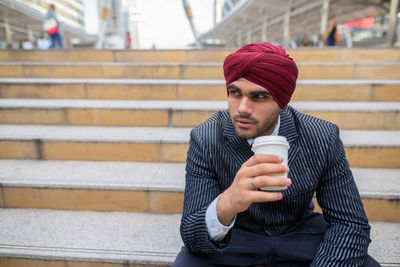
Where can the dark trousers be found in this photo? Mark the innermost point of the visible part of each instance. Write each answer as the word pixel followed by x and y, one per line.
pixel 295 249
pixel 55 38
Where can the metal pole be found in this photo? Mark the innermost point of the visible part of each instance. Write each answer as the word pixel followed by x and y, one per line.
pixel 238 40
pixel 398 34
pixel 218 5
pixel 286 29
pixel 264 33
pixel 105 7
pixel 248 37
pixel 349 39
pixel 189 16
pixel 29 31
pixel 215 12
pixel 324 16
pixel 394 6
pixel 8 32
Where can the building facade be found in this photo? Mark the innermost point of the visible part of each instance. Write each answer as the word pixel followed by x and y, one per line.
pixel 287 22
pixel 122 16
pixel 23 20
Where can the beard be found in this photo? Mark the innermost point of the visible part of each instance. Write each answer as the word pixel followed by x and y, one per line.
pixel 261 127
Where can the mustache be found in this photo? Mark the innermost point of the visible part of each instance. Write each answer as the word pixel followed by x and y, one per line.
pixel 246 117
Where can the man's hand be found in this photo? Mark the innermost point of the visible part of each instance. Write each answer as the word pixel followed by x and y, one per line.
pixel 241 194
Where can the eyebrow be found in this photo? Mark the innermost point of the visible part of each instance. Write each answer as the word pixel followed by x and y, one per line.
pixel 232 86
pixel 259 92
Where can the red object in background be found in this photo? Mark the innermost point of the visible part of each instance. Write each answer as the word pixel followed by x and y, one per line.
pixel 363 23
pixel 51 25
pixel 128 41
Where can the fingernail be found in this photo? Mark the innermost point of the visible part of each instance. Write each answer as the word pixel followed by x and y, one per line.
pixel 288 181
pixel 281 159
pixel 286 169
pixel 280 196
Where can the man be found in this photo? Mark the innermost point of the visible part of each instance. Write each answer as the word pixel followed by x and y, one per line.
pixel 226 220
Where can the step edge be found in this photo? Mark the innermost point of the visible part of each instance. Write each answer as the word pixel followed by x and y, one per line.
pixel 188 81
pixel 93 255
pixel 183 64
pixel 188 105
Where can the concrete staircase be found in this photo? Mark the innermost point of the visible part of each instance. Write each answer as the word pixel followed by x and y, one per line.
pixel 93 145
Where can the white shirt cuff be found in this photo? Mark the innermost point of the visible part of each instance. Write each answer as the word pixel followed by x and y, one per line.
pixel 216 229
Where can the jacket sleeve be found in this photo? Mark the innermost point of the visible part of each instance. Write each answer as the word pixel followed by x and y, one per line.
pixel 346 241
pixel 200 190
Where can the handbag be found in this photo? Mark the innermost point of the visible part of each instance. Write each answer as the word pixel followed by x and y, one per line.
pixel 51 25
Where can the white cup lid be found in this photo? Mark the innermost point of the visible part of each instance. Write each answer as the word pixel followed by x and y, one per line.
pixel 270 140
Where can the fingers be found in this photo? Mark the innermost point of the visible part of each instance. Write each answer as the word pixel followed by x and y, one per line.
pixel 260 196
pixel 263 158
pixel 267 181
pixel 254 174
pixel 266 169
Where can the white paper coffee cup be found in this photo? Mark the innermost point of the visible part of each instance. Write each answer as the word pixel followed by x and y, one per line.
pixel 276 145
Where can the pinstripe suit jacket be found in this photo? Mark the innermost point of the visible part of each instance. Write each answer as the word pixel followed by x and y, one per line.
pixel 317 164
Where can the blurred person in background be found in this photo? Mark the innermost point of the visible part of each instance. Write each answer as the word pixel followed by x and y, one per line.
pixel 331 36
pixel 128 41
pixel 52 27
pixel 306 41
pixel 26 45
pixel 42 43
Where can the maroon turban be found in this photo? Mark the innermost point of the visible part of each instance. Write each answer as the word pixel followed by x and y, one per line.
pixel 266 65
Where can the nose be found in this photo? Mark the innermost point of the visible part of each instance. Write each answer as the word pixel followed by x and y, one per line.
pixel 245 106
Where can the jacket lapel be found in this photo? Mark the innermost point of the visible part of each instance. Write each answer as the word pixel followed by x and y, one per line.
pixel 237 147
pixel 288 130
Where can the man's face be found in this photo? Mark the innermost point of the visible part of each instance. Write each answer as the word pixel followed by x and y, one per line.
pixel 253 110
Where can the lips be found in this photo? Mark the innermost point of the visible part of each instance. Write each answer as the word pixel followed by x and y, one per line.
pixel 242 123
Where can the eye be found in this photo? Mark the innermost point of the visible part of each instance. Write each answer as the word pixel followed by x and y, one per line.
pixel 261 96
pixel 234 93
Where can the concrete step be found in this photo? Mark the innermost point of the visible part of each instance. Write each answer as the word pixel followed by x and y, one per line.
pixel 142 89
pixel 195 55
pixel 146 187
pixel 144 144
pixel 85 185
pixel 348 115
pixel 46 237
pixel 307 70
pixel 364 148
pixel 123 239
pixel 155 56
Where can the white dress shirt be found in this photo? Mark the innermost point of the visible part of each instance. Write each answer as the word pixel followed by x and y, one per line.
pixel 216 229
